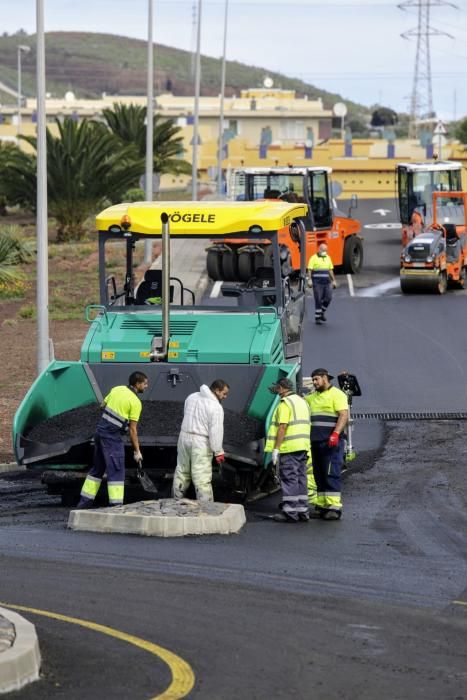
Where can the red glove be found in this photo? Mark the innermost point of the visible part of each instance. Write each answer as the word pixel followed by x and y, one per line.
pixel 333 439
pixel 220 459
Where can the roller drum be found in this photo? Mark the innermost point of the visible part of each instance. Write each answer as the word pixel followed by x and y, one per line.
pixel 426 283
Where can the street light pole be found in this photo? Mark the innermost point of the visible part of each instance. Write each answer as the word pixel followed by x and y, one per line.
pixel 149 128
pixel 43 342
pixel 26 49
pixel 194 166
pixel 221 110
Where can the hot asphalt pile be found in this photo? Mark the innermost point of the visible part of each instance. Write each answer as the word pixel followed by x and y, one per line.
pixel 158 419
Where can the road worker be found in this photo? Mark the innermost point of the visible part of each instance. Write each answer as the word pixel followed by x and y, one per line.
pixel 417 222
pixel 200 439
pixel 288 440
pixel 329 413
pixel 122 410
pixel 321 278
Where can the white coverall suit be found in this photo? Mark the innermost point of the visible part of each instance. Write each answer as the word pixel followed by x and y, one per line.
pixel 200 438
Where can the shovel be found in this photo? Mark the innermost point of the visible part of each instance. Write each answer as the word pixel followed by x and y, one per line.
pixel 147 484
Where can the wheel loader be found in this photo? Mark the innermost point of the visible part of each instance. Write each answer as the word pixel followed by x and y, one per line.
pixel 251 339
pixel 436 258
pixel 230 259
pixel 416 183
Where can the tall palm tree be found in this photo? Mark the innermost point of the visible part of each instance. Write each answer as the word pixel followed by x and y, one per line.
pixel 128 123
pixel 87 166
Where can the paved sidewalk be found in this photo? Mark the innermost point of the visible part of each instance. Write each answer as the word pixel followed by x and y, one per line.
pixel 20 659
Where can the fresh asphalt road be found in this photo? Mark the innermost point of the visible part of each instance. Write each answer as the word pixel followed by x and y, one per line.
pixel 372 606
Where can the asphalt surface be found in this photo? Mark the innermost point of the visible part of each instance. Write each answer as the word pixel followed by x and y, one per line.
pixel 374 606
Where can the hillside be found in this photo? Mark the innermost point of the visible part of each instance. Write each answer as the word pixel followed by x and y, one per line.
pixel 90 64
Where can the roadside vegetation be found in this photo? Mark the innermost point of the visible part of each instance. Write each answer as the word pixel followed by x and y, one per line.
pixel 13 252
pixel 91 165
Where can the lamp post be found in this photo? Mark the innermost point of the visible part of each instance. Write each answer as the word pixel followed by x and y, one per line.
pixel 44 346
pixel 194 164
pixel 25 49
pixel 149 128
pixel 221 110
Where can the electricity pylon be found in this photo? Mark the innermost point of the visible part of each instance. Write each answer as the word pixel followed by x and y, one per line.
pixel 421 101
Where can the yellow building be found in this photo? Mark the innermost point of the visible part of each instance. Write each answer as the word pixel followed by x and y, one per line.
pixel 261 127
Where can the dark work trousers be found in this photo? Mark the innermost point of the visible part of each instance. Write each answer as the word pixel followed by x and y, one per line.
pixel 292 474
pixel 322 292
pixel 327 466
pixel 109 457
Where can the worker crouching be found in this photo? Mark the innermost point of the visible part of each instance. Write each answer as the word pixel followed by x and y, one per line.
pixel 122 411
pixel 200 440
pixel 288 440
pixel 329 413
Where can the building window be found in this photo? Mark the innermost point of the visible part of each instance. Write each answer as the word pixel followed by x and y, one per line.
pixel 292 130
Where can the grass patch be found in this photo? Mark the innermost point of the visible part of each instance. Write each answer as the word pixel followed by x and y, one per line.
pixel 16 289
pixel 27 311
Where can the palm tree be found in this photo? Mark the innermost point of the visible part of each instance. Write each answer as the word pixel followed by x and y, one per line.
pixel 127 122
pixel 12 253
pixel 87 166
pixel 17 176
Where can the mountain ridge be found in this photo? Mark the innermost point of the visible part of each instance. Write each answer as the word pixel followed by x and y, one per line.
pixel 91 63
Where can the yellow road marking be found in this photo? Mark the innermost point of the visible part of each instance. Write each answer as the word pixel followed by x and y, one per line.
pixel 183 678
pixel 460 602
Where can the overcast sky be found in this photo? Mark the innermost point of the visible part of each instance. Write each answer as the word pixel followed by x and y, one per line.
pixel 353 48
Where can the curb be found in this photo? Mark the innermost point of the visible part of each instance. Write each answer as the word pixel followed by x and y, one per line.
pixel 11 467
pixel 145 518
pixel 20 664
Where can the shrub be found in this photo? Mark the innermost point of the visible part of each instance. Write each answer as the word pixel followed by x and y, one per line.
pixel 27 311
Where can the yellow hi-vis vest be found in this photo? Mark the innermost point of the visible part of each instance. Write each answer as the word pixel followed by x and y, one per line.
pixel 319 266
pixel 293 410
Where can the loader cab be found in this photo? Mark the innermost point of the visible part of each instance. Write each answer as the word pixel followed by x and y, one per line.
pixel 416 184
pixel 304 185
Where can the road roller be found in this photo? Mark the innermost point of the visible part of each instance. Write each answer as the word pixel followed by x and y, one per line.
pixel 231 259
pixel 416 183
pixel 436 259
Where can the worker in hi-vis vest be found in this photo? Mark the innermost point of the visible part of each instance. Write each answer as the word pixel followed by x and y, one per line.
pixel 288 440
pixel 122 411
pixel 321 279
pixel 329 414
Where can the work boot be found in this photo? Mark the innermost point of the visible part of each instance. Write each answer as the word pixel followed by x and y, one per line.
pixel 323 317
pixel 283 518
pixel 332 515
pixel 303 517
pixel 316 514
pixel 85 503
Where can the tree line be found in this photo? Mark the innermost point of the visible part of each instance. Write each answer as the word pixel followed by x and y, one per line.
pixel 90 164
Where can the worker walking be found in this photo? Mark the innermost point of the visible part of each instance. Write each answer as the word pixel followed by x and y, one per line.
pixel 321 278
pixel 288 440
pixel 200 439
pixel 329 413
pixel 122 410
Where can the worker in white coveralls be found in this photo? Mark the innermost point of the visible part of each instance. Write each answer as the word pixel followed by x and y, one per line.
pixel 200 439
